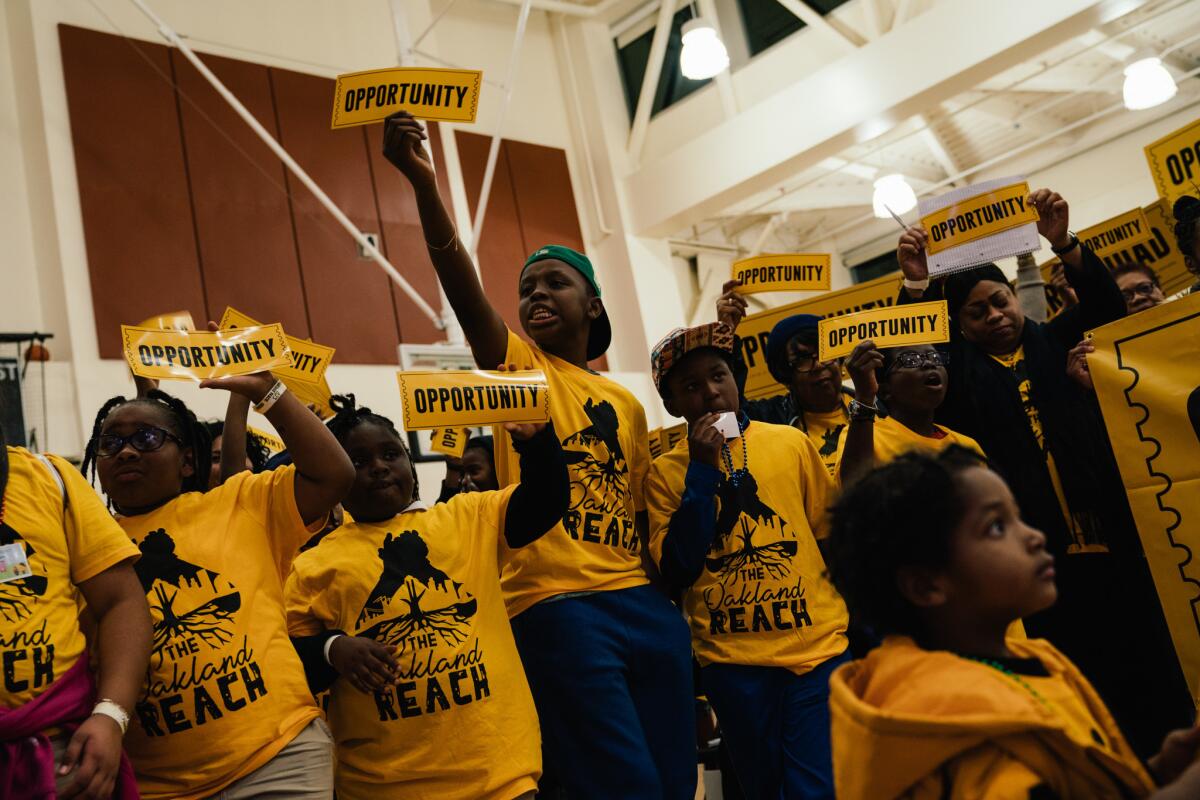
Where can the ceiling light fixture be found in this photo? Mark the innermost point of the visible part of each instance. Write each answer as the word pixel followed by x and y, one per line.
pixel 1147 84
pixel 893 191
pixel 704 54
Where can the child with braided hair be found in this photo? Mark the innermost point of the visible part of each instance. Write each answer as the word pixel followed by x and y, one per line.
pixel 226 708
pixel 401 612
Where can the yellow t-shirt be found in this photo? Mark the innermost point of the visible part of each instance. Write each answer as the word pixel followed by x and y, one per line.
pixel 461 721
pixel 763 597
pixel 1078 526
pixel 602 428
pixel 823 430
pixel 226 690
pixel 893 438
pixel 65 544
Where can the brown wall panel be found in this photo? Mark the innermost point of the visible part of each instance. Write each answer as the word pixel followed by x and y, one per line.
pixel 502 248
pixel 542 184
pixel 403 241
pixel 349 301
pixel 133 187
pixel 243 217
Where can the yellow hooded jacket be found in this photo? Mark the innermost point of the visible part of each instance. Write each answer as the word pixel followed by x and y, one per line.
pixel 915 724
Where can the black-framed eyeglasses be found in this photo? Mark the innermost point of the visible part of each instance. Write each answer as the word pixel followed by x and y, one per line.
pixel 1145 289
pixel 144 440
pixel 807 363
pixel 927 358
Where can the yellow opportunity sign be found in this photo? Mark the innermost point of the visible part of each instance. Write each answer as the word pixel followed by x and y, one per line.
pixel 791 272
pixel 472 398
pixel 913 323
pixel 450 441
pixel 1175 162
pixel 444 95
pixel 979 217
pixel 200 355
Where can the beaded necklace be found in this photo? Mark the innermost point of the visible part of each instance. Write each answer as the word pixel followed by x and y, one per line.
pixel 736 476
pixel 1003 670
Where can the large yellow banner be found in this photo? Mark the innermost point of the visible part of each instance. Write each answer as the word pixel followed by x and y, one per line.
pixel 1175 162
pixel 1146 369
pixel 755 328
pixel 447 95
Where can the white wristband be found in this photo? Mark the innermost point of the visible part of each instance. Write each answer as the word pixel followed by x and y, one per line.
pixel 922 285
pixel 114 712
pixel 270 398
pixel 329 642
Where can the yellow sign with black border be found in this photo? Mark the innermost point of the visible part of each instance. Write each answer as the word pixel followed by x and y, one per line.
pixel 979 217
pixel 897 326
pixel 792 272
pixel 443 95
pixel 473 398
pixel 201 355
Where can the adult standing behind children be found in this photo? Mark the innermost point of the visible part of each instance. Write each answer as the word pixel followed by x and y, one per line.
pixel 606 654
pixel 1010 391
pixel 63 551
pixel 734 527
pixel 815 401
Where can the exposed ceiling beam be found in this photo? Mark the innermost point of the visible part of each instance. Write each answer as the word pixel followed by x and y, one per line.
pixel 848 101
pixel 812 18
pixel 729 104
pixel 654 64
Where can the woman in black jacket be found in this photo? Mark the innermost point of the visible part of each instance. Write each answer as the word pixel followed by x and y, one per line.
pixel 1009 390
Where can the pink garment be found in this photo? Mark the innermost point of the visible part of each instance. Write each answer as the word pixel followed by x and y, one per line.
pixel 26 757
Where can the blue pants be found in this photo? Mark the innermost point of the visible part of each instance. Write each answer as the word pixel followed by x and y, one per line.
pixel 611 676
pixel 776 726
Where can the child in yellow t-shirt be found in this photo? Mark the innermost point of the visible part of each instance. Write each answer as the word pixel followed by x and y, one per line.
pixel 59 552
pixel 225 706
pixel 931 551
pixel 432 701
pixel 911 383
pixel 605 652
pixel 734 523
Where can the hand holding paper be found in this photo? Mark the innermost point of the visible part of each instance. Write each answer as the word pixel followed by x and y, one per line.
pixel 402 137
pixel 911 254
pixel 1053 216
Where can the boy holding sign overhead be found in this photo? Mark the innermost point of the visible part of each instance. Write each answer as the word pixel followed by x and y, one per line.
pixel 1009 390
pixel 735 515
pixel 606 654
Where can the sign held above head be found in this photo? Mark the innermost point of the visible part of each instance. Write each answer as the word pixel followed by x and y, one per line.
pixel 473 398
pixel 442 95
pixel 979 224
pixel 790 272
pixel 1175 162
pixel 913 323
pixel 200 355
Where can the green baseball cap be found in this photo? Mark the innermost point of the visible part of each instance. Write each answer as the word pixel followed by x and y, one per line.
pixel 601 334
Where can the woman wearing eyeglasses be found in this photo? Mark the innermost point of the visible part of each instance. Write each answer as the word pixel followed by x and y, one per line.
pixel 226 709
pixel 910 383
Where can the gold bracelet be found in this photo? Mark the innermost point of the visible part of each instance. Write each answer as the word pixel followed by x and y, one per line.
pixel 453 241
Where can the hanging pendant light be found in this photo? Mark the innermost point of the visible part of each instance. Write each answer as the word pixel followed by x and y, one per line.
pixel 893 191
pixel 704 54
pixel 1147 84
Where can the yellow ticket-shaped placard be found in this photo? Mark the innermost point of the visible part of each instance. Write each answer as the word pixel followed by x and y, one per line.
pixel 445 95
pixel 1175 162
pixel 450 441
pixel 172 321
pixel 272 442
pixel 1117 233
pixel 472 398
pixel 672 436
pixel 199 355
pixel 790 272
pixel 655 436
pixel 915 323
pixel 978 217
pixel 309 359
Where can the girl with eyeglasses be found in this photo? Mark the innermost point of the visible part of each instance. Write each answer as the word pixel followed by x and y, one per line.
pixel 910 382
pixel 226 707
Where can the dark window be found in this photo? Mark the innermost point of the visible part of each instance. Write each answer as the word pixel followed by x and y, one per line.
pixel 672 86
pixel 768 22
pixel 875 268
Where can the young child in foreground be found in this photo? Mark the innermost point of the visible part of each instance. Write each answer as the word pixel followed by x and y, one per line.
pixel 932 552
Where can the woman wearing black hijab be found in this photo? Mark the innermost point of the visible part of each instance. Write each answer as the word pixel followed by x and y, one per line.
pixel 1009 390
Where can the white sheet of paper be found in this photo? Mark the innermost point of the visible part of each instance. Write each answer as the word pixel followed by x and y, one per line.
pixel 1014 242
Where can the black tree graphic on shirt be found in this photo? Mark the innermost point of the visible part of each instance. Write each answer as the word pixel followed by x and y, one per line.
pixel 15 596
pixel 186 600
pixel 596 462
pixel 742 514
pixel 427 602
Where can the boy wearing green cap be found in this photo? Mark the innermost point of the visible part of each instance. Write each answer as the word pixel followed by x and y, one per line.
pixel 606 654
